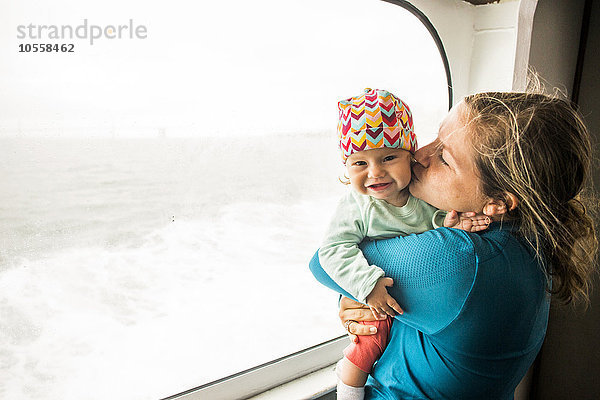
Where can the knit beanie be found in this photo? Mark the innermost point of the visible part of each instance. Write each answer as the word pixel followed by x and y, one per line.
pixel 374 120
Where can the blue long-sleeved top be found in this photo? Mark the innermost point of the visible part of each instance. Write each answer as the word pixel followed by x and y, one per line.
pixel 475 314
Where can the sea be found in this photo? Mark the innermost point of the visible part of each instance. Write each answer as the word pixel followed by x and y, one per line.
pixel 138 268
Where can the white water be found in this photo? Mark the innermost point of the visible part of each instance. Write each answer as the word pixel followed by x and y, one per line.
pixel 139 269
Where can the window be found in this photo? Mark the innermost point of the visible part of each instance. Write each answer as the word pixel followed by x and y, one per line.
pixel 162 195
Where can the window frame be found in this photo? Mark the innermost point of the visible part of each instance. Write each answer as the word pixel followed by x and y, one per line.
pixel 436 38
pixel 266 376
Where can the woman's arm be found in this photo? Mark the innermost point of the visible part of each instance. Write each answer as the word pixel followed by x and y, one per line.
pixel 433 273
pixel 350 309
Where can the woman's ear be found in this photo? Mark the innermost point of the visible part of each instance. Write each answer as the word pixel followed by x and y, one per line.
pixel 501 206
pixel 511 201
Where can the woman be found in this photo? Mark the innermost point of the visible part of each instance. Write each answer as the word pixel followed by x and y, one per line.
pixel 476 304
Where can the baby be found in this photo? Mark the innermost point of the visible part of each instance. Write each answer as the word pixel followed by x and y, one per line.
pixel 377 140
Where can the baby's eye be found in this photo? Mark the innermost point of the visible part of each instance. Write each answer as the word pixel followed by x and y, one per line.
pixel 359 163
pixel 389 158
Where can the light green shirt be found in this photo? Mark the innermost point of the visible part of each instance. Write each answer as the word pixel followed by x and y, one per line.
pixel 358 217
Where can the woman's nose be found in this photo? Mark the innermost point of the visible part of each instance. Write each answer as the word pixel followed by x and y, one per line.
pixel 423 156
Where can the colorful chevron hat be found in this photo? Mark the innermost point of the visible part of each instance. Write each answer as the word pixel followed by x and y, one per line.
pixel 374 120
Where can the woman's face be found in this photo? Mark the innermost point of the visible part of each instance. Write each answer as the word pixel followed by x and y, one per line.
pixel 445 174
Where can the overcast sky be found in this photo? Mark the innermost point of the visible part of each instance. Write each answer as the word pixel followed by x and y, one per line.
pixel 213 67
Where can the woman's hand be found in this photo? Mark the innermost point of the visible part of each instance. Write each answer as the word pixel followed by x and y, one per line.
pixel 351 312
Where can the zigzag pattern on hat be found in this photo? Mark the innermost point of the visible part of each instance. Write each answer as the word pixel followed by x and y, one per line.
pixel 374 120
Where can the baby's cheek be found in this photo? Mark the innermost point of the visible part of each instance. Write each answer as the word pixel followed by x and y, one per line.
pixel 406 171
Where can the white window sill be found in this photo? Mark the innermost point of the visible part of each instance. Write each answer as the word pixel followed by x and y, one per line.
pixel 307 387
pixel 307 372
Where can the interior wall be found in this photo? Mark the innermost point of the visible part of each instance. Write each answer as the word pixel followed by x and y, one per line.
pixel 555 42
pixel 569 362
pixel 481 42
pixel 494 44
pixel 524 30
pixel 590 108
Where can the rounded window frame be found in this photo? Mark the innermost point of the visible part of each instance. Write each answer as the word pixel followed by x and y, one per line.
pixel 434 35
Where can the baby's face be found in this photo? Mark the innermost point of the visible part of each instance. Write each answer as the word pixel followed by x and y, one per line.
pixel 381 173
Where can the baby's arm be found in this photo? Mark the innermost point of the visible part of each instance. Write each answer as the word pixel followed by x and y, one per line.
pixel 340 255
pixel 381 303
pixel 467 221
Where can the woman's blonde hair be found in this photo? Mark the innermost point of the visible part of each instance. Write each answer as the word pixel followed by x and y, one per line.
pixel 537 147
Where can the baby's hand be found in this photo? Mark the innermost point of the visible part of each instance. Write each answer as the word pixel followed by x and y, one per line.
pixel 381 303
pixel 467 221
